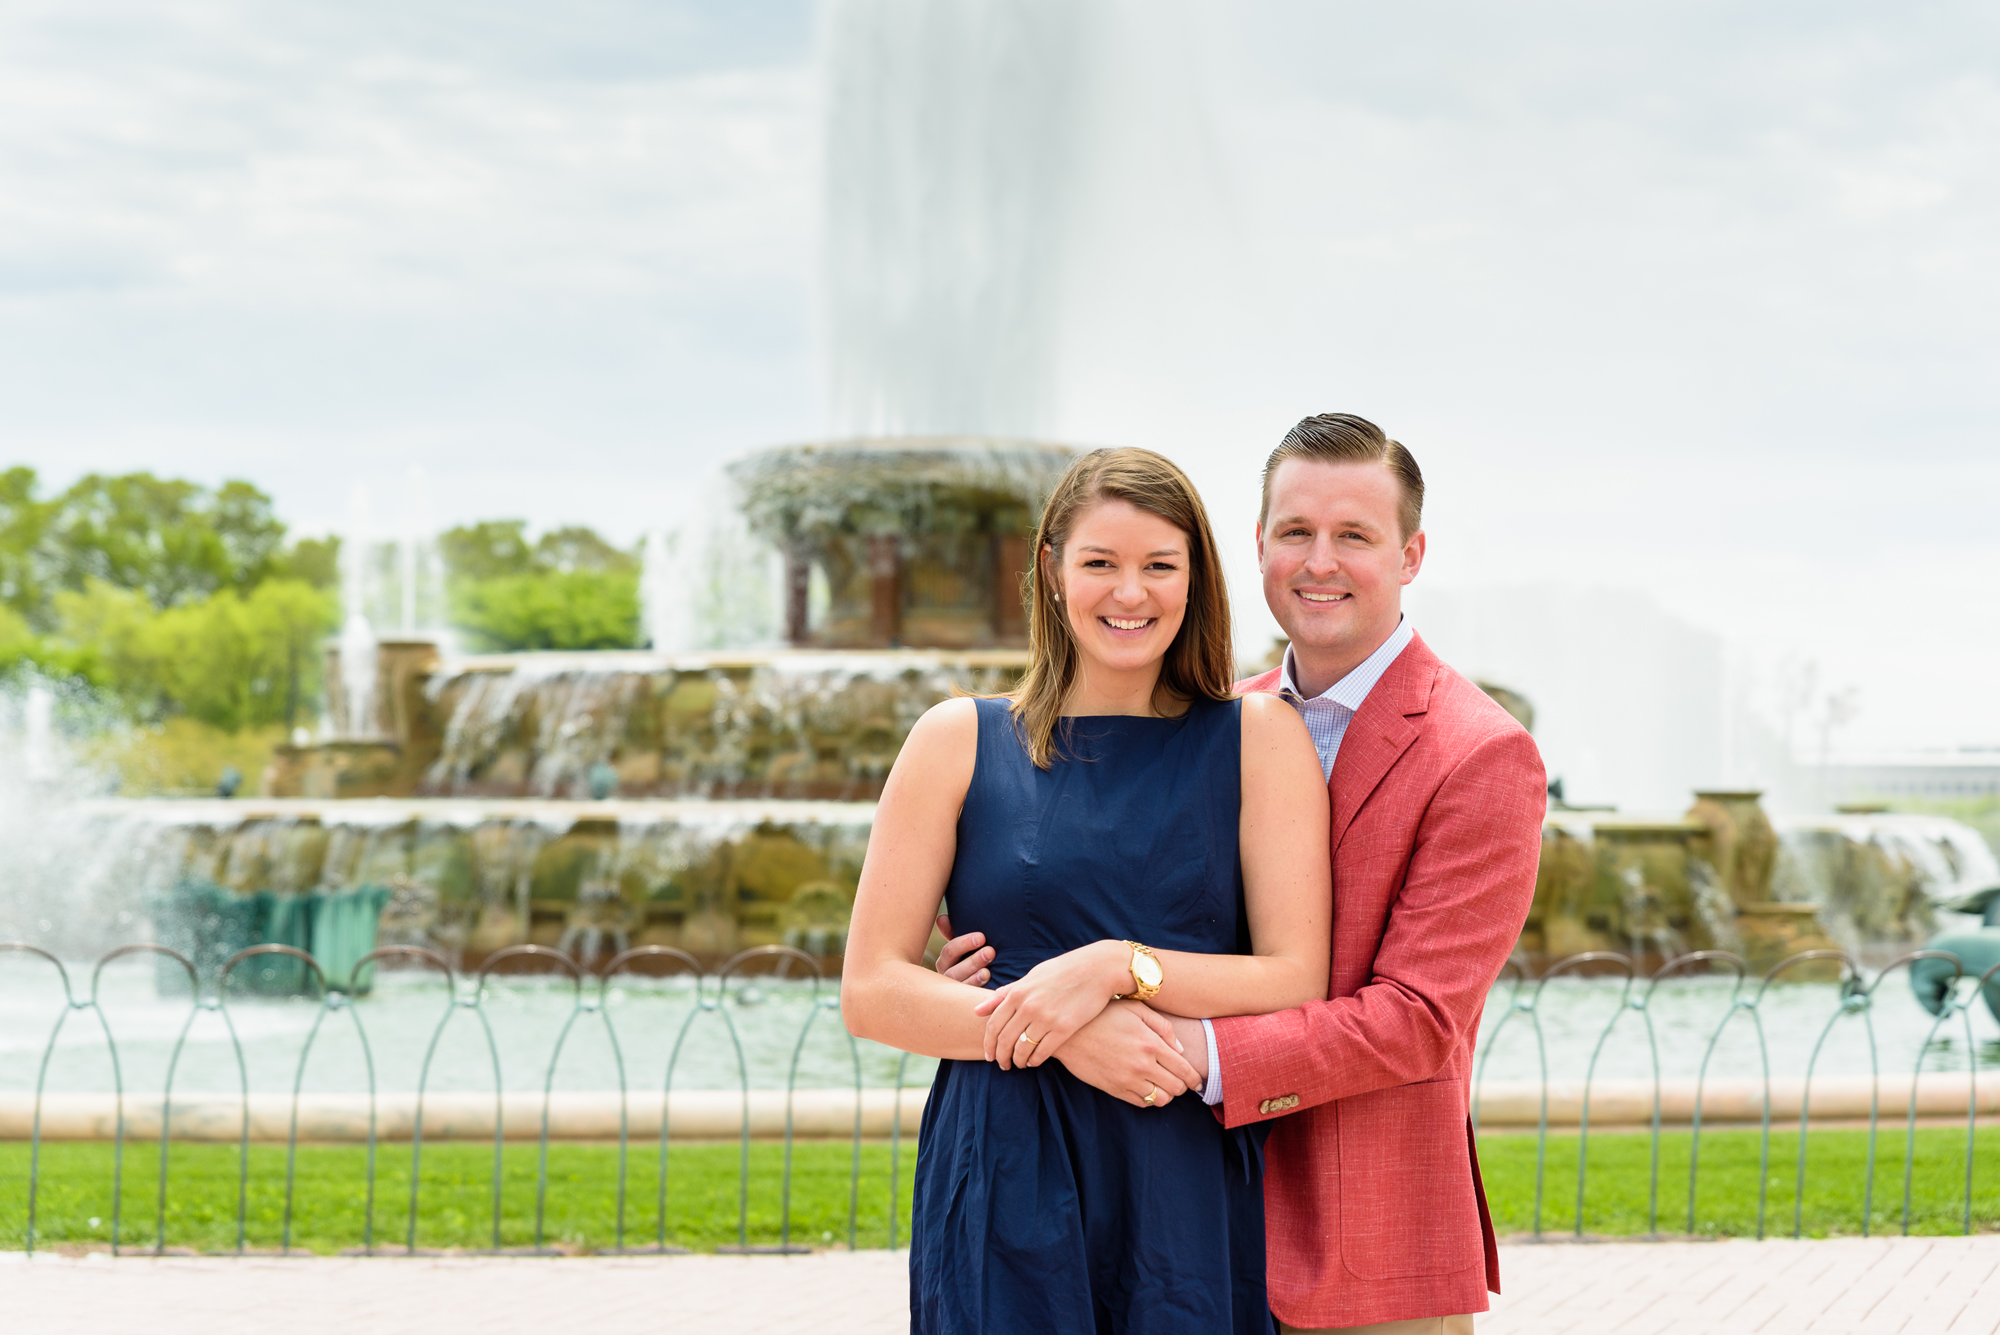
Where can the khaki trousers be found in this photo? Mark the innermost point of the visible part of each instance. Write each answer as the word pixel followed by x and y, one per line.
pixel 1423 1325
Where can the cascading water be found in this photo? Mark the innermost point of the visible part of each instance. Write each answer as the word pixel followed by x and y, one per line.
pixel 952 171
pixel 1882 877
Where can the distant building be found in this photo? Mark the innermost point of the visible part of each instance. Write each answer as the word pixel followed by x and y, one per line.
pixel 1966 772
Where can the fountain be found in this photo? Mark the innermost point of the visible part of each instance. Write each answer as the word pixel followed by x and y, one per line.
pixel 706 800
pixel 1726 876
pixel 714 790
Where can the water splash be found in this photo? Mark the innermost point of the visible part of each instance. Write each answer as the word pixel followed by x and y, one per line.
pixel 781 724
pixel 355 714
pixel 711 583
pixel 1881 877
pixel 952 176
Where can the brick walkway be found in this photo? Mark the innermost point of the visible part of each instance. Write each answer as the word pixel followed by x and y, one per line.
pixel 1939 1286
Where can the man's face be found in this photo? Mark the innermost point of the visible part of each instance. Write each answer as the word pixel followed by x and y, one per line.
pixel 1333 558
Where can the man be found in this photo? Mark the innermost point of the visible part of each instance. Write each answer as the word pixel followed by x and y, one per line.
pixel 1375 1215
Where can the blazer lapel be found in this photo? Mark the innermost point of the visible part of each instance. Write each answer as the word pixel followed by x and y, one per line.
pixel 1381 732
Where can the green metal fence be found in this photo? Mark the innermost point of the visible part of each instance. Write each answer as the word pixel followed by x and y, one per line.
pixel 1941 981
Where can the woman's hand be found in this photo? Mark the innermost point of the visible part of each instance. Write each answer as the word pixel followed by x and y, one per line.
pixel 1028 1020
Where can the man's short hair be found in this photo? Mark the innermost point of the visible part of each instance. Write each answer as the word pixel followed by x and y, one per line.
pixel 1343 438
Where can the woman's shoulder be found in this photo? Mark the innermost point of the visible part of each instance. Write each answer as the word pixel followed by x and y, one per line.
pixel 939 752
pixel 1264 711
pixel 1273 731
pixel 947 723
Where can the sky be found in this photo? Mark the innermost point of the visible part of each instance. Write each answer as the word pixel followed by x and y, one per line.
pixel 1692 306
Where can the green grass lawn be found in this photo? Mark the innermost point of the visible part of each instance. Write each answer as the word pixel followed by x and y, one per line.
pixel 455 1208
pixel 456 1200
pixel 1617 1186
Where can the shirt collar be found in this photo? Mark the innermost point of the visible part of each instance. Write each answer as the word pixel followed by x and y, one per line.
pixel 1353 688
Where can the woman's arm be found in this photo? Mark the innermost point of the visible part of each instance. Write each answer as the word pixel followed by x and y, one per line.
pixel 1288 892
pixel 886 992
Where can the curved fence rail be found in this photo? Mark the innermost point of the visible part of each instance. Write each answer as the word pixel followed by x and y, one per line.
pixel 1949 989
pixel 585 1000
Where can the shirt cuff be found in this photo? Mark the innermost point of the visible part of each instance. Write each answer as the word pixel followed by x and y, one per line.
pixel 1211 1090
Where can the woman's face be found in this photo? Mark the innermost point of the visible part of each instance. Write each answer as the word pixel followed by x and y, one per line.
pixel 1124 584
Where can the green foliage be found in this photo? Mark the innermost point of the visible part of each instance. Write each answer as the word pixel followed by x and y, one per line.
pixel 172 597
pixel 231 661
pixel 172 540
pixel 570 590
pixel 18 641
pixel 168 539
pixel 573 548
pixel 183 601
pixel 581 609
pixel 456 1207
pixel 314 561
pixel 24 520
pixel 490 549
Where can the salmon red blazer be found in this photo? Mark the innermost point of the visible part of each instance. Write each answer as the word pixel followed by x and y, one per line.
pixel 1373 1204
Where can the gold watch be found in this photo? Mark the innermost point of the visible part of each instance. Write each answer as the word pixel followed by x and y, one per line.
pixel 1146 974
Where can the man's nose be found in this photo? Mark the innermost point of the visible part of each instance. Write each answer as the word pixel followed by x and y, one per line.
pixel 1323 561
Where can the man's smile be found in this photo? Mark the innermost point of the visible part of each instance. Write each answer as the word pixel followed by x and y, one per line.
pixel 1314 597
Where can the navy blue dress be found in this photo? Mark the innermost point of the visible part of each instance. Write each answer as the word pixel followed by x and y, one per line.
pixel 1042 1205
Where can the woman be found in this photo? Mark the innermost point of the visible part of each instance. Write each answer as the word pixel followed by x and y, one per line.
pixel 1124 832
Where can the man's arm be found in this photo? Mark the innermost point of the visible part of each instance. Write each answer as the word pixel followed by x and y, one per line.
pixel 1465 896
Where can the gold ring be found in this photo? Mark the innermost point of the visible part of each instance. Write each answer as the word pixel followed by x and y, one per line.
pixel 1151 1090
pixel 1029 1041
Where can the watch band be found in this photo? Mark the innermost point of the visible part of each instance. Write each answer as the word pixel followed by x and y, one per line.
pixel 1141 989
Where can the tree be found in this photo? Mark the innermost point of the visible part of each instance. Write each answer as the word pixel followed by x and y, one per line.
pixel 24 521
pixel 315 561
pixel 570 590
pixel 489 549
pixel 229 660
pixel 581 609
pixel 168 538
pixel 575 547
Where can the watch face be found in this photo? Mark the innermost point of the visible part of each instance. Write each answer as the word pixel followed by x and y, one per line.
pixel 1146 969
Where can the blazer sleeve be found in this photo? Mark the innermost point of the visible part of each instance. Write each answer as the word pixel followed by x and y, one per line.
pixel 1465 898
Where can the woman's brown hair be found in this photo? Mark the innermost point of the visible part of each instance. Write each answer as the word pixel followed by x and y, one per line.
pixel 1200 663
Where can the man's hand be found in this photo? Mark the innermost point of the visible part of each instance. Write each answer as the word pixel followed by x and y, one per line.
pixel 1128 1050
pixel 964 958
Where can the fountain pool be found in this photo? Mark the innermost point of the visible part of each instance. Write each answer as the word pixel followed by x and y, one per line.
pixel 528 1015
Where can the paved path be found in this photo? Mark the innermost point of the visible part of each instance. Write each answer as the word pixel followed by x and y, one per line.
pixel 1937 1286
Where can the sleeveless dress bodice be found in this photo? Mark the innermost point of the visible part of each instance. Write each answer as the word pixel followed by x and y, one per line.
pixel 1044 1205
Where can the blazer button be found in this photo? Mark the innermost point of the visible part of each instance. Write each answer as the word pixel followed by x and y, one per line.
pixel 1284 1103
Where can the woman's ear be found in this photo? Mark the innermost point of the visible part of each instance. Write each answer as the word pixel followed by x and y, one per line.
pixel 1048 564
